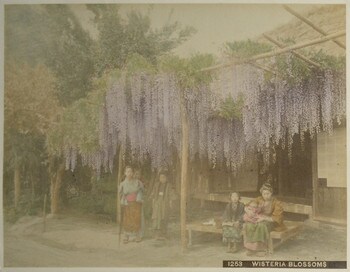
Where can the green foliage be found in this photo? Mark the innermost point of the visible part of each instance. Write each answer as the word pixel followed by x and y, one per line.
pixel 30 108
pixel 295 70
pixel 119 39
pixel 336 63
pixel 298 70
pixel 137 64
pixel 78 125
pixel 107 186
pixel 70 56
pixel 51 35
pixel 188 71
pixel 245 49
pixel 288 66
pixel 232 109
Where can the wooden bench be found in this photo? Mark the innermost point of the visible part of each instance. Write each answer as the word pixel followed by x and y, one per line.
pixel 276 237
pixel 198 226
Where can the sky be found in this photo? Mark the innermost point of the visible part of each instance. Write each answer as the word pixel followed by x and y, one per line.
pixel 215 23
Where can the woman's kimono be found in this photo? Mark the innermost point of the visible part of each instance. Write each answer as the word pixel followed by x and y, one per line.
pixel 257 234
pixel 233 213
pixel 131 193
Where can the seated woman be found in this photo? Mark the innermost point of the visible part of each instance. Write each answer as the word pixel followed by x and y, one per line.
pixel 268 217
pixel 232 223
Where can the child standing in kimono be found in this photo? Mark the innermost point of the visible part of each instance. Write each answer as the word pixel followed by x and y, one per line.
pixel 131 192
pixel 162 196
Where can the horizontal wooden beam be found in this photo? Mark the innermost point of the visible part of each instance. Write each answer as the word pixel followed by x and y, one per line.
pixel 300 56
pixel 308 22
pixel 278 52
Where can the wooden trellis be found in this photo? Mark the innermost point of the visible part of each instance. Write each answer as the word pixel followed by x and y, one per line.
pixel 283 49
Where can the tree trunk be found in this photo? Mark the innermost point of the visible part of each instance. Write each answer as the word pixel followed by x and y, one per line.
pixel 56 183
pixel 184 169
pixel 17 184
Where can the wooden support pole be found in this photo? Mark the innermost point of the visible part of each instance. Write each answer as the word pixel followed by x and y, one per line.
pixel 44 213
pixel 17 183
pixel 314 167
pixel 308 22
pixel 119 180
pixel 184 169
pixel 278 52
pixel 300 56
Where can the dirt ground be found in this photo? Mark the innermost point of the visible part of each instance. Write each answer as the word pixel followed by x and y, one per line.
pixel 73 241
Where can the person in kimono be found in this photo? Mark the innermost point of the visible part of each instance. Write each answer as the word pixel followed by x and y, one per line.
pixel 270 218
pixel 162 197
pixel 131 193
pixel 252 212
pixel 232 223
pixel 141 198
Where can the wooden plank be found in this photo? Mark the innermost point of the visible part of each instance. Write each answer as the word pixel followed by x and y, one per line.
pixel 287 206
pixel 198 226
pixel 278 52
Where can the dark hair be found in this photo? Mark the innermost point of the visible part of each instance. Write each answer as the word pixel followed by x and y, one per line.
pixel 266 187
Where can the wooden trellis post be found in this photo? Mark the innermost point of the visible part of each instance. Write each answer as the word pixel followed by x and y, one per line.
pixel 184 168
pixel 119 177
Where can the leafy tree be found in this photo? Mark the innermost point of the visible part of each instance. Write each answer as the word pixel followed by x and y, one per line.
pixel 30 107
pixel 119 39
pixel 51 35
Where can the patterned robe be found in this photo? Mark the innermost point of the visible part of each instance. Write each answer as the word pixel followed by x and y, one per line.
pixel 131 192
pixel 257 234
pixel 233 213
pixel 161 196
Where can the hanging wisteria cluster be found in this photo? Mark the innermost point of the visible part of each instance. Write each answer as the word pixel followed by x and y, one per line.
pixel 141 114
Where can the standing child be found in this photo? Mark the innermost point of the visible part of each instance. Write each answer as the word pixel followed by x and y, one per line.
pixel 140 198
pixel 162 196
pixel 130 191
